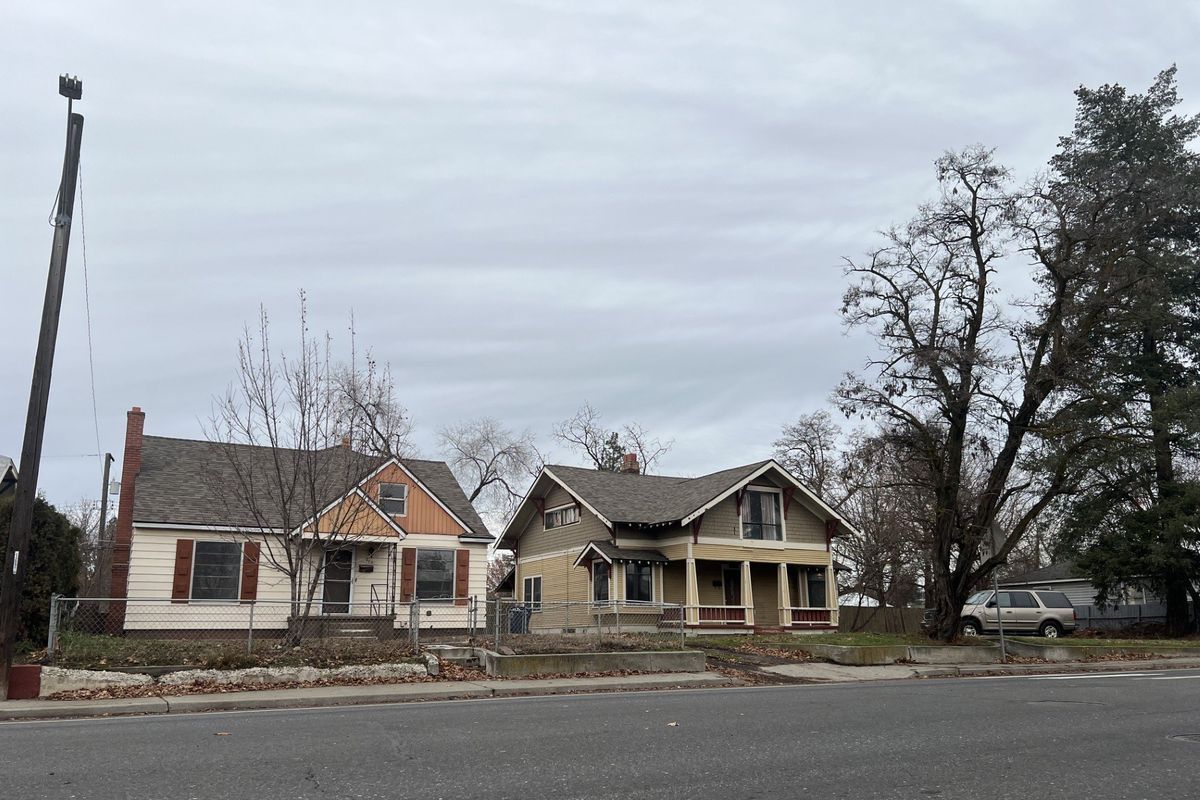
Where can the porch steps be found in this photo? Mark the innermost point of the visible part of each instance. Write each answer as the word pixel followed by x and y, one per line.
pixel 364 627
pixel 463 656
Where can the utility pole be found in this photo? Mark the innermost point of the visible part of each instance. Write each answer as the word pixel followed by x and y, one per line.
pixel 20 529
pixel 103 546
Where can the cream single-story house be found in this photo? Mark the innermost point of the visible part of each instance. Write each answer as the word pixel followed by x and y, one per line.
pixel 202 542
pixel 743 549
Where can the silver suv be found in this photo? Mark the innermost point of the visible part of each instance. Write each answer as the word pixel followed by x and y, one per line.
pixel 1048 614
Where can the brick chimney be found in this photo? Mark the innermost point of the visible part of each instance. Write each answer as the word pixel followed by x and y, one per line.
pixel 131 465
pixel 629 464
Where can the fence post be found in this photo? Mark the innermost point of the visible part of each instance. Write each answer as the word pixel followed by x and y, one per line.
pixel 682 629
pixel 250 633
pixel 618 608
pixel 52 631
pixel 496 600
pixel 414 622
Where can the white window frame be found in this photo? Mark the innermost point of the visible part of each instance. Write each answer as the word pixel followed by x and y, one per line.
pixel 625 583
pixel 592 583
pixel 453 573
pixel 405 499
pixel 782 516
pixel 237 598
pixel 546 517
pixel 526 583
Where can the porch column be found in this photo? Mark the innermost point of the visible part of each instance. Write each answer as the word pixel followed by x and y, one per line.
pixel 785 597
pixel 831 595
pixel 691 594
pixel 747 593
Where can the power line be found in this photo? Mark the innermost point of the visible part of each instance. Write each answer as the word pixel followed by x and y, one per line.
pixel 87 304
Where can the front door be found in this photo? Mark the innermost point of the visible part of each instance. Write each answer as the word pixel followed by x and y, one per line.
pixel 731 579
pixel 336 597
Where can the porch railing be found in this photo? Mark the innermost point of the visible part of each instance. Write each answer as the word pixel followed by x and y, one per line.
pixel 721 615
pixel 806 615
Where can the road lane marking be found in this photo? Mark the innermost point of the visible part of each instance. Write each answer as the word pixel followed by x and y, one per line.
pixel 1089 677
pixel 1174 678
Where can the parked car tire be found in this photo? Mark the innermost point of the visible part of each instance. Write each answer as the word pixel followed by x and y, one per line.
pixel 1050 629
pixel 970 627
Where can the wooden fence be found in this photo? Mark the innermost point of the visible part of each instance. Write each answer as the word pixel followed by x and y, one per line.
pixel 873 619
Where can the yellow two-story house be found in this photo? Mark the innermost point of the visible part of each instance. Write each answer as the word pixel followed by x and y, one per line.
pixel 743 549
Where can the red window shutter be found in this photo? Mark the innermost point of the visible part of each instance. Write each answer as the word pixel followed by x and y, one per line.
pixel 181 583
pixel 408 573
pixel 250 553
pixel 462 575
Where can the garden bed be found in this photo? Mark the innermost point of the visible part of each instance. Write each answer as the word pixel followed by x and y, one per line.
pixel 86 651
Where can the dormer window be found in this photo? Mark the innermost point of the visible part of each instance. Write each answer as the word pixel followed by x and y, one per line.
pixel 558 517
pixel 393 498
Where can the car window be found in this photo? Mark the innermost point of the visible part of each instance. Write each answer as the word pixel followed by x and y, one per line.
pixel 1023 600
pixel 1055 600
pixel 978 597
pixel 1005 600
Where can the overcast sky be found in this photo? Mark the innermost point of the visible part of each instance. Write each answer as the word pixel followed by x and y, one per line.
pixel 525 205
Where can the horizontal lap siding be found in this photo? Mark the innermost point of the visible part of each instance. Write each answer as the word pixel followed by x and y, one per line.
pixel 151 569
pixel 535 540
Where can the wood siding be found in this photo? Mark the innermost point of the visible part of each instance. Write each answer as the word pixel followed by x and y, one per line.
pixel 536 540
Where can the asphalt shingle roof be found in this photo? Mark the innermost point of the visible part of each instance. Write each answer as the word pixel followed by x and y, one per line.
pixel 645 499
pixel 1062 571
pixel 182 481
pixel 614 553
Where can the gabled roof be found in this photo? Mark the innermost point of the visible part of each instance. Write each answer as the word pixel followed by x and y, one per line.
pixel 635 499
pixel 180 479
pixel 605 549
pixel 647 499
pixel 1062 571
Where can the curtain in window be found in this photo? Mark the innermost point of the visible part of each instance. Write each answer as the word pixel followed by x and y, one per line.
pixel 435 574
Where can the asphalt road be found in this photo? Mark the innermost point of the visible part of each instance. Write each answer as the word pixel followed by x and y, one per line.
pixel 1080 736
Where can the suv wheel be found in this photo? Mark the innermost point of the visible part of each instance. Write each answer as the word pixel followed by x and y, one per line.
pixel 969 628
pixel 1050 629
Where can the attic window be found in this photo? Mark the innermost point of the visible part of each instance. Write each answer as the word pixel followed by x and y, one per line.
pixel 393 498
pixel 557 517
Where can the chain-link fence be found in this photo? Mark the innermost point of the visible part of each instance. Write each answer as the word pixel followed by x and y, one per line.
pixel 114 632
pixel 96 631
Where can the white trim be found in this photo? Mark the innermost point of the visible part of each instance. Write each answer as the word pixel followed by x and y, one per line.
pixel 554 554
pixel 464 540
pixel 405 498
pixel 1025 584
pixel 535 606
pixel 466 528
pixel 237 595
pixel 610 594
pixel 584 552
pixel 775 490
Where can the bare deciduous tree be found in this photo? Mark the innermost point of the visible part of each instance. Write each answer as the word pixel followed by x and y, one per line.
pixel 95 547
pixel 586 434
pixel 966 383
pixel 282 456
pixel 493 465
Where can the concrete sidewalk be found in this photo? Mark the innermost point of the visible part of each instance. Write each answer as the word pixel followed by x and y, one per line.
pixel 320 696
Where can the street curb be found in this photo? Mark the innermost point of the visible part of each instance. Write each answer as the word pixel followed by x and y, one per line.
pixel 1059 667
pixel 334 696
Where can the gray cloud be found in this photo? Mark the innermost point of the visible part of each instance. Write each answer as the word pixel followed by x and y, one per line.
pixel 524 204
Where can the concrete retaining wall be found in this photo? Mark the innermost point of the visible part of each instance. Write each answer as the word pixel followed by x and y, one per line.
pixel 880 655
pixel 1065 652
pixel 575 663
